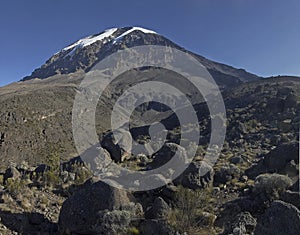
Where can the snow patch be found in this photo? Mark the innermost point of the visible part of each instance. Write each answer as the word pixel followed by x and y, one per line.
pixel 91 39
pixel 104 37
pixel 134 29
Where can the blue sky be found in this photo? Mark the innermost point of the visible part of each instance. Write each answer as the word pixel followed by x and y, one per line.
pixel 262 36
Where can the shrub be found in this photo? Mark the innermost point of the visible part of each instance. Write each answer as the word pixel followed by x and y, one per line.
pixel 133 231
pixel 271 185
pixel 15 186
pixel 82 173
pixel 189 206
pixel 52 176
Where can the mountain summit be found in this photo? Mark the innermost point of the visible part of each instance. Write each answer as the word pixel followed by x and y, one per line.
pixel 83 54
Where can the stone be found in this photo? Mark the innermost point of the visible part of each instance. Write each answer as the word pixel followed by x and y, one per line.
pixel 166 153
pixel 277 160
pixel 80 212
pixel 236 160
pixel 292 198
pixel 280 218
pixel 225 174
pixel 154 227
pixel 11 173
pixel 158 210
pixel 198 175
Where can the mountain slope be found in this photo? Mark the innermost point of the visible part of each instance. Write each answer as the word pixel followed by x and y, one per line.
pixel 85 53
pixel 36 114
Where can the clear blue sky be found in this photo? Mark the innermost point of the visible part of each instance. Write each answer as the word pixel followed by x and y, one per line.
pixel 262 36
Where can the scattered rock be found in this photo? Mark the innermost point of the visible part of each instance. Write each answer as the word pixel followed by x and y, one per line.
pixel 198 175
pixel 225 174
pixel 158 210
pixel 80 213
pixel 292 198
pixel 154 227
pixel 236 160
pixel 11 173
pixel 276 160
pixel 281 219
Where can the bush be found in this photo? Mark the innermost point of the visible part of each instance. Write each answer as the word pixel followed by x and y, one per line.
pixel 52 176
pixel 271 185
pixel 82 173
pixel 15 186
pixel 133 231
pixel 189 206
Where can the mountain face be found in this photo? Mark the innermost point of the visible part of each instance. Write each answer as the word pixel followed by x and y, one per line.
pixel 36 113
pixel 85 53
pixel 252 189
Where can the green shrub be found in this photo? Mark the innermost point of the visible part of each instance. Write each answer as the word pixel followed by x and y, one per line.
pixel 189 206
pixel 133 231
pixel 52 175
pixel 271 185
pixel 82 173
pixel 15 186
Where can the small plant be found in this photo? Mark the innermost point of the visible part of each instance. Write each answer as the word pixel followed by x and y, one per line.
pixel 51 176
pixel 15 186
pixel 271 185
pixel 133 231
pixel 189 206
pixel 82 173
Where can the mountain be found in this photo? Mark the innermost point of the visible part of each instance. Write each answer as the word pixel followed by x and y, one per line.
pixel 85 53
pixel 253 188
pixel 36 113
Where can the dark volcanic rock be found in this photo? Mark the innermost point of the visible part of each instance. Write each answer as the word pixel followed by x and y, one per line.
pixel 158 210
pixel 80 213
pixel 198 175
pixel 276 160
pixel 243 223
pixel 280 219
pixel 154 227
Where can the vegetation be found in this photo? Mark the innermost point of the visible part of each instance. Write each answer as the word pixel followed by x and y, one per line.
pixel 271 185
pixel 187 215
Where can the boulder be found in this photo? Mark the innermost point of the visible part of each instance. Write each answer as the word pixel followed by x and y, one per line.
pixel 198 175
pixel 166 153
pixel 281 219
pixel 11 173
pixel 292 198
pixel 277 160
pixel 154 227
pixel 226 173
pixel 81 212
pixel 295 186
pixel 117 146
pixel 236 160
pixel 158 210
pixel 243 223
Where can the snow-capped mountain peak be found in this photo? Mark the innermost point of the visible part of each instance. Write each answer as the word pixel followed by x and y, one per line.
pixel 91 39
pixel 106 36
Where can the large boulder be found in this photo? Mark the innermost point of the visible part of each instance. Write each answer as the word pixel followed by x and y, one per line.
pixel 226 173
pixel 158 210
pixel 83 212
pixel 292 198
pixel 117 145
pixel 198 175
pixel 277 160
pixel 166 153
pixel 154 227
pixel 280 219
pixel 243 223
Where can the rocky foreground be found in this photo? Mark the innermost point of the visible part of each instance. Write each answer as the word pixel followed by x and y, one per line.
pixel 65 199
